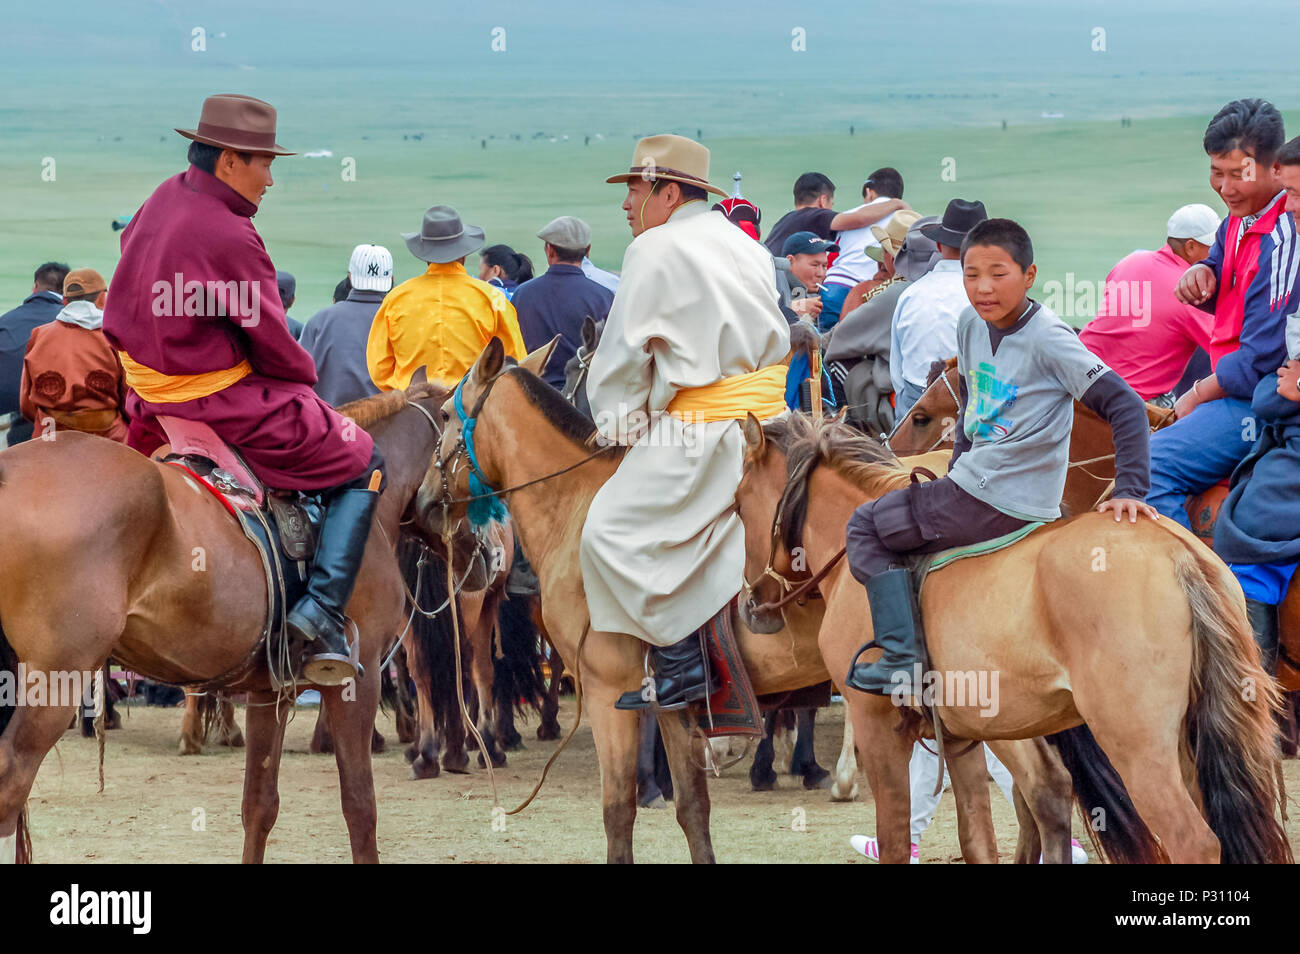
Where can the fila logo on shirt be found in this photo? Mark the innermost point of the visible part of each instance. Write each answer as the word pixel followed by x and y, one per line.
pixel 1097 369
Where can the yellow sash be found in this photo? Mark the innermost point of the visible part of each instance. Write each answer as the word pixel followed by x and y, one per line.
pixel 760 392
pixel 158 388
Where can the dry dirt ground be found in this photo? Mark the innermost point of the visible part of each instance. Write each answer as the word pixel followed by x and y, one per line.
pixel 161 807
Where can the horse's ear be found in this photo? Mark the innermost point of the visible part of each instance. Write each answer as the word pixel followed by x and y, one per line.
pixel 755 439
pixel 590 333
pixel 937 368
pixel 950 363
pixel 489 363
pixel 537 360
pixel 421 376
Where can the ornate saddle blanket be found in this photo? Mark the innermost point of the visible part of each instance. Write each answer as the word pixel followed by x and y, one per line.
pixel 283 525
pixel 733 709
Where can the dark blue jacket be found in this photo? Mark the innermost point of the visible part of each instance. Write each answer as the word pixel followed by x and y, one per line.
pixel 336 340
pixel 16 327
pixel 1259 521
pixel 555 303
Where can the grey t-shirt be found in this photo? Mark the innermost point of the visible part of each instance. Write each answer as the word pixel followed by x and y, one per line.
pixel 1021 385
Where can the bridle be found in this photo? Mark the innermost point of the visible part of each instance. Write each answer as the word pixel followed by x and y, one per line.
pixel 792 591
pixel 956 402
pixel 583 357
pixel 481 488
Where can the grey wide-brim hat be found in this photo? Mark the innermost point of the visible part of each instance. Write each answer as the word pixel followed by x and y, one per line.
pixel 442 238
pixel 918 253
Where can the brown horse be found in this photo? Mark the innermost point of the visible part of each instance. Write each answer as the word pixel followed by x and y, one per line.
pixel 1136 632
pixel 539 452
pixel 152 569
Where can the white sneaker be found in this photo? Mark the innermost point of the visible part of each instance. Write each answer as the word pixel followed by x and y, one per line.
pixel 1077 855
pixel 870 848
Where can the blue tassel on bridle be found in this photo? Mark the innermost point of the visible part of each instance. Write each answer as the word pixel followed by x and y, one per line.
pixel 484 508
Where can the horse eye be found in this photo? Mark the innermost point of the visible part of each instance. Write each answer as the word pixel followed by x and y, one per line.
pixel 445 417
pixel 920 420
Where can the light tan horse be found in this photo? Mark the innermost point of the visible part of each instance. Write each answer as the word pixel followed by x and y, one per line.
pixel 536 450
pixel 1130 640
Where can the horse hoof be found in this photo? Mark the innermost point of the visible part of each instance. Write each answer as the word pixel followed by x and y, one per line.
pixel 548 731
pixel 235 740
pixel 513 743
pixel 114 721
pixel 457 766
pixel 377 743
pixel 655 803
pixel 817 780
pixel 837 793
pixel 763 785
pixel 189 747
pixel 425 768
pixel 411 752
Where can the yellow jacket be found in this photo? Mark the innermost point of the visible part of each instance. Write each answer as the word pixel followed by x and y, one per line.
pixel 442 319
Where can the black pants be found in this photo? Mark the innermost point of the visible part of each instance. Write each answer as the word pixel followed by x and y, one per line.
pixel 921 518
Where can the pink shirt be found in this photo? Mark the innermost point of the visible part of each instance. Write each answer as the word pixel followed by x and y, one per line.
pixel 1142 331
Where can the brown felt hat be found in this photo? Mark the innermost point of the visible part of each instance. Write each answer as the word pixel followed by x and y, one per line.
pixel 674 158
pixel 242 123
pixel 83 281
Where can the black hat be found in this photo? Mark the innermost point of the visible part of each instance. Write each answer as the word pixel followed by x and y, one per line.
pixel 958 219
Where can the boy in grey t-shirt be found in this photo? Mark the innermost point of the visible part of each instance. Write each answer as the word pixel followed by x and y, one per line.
pixel 1021 368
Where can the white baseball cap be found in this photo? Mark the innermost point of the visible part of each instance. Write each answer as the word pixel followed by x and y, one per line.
pixel 1195 221
pixel 371 268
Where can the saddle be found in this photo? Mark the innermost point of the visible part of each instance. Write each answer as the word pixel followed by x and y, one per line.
pixel 283 525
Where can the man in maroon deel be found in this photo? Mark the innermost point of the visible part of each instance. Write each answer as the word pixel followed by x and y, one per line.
pixel 195 316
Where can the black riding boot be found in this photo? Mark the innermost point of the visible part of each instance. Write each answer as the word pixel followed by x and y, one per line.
pixel 894 619
pixel 681 676
pixel 318 616
pixel 1263 623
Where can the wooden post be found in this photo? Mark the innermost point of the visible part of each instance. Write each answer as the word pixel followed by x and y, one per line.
pixel 815 380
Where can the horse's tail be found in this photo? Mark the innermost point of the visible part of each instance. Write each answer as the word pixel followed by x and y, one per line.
pixel 210 706
pixel 1232 723
pixel 432 639
pixel 517 679
pixel 9 664
pixel 1116 830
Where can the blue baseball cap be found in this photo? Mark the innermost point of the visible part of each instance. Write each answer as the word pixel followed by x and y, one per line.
pixel 807 243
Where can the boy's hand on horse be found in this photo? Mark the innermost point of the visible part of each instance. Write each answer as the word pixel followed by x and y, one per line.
pixel 1127 505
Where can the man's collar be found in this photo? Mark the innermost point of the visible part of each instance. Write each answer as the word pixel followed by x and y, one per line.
pixel 365 294
pixel 445 268
pixel 947 265
pixel 688 210
pixel 208 184
pixel 565 267
pixel 53 296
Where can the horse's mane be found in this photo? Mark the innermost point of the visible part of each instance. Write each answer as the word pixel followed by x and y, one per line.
pixel 806 442
pixel 367 412
pixel 567 419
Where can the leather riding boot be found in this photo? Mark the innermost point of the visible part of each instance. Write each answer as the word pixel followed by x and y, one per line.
pixel 682 675
pixel 318 616
pixel 894 619
pixel 1263 623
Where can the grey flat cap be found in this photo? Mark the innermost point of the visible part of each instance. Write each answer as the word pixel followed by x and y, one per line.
pixel 568 232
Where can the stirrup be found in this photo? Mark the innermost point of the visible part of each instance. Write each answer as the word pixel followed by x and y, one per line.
pixel 858 655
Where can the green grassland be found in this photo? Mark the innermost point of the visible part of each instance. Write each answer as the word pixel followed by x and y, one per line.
pixel 1089 193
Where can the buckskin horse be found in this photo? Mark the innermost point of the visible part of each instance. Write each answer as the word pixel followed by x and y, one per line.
pixel 114 569
pixel 539 454
pixel 928 426
pixel 1126 642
